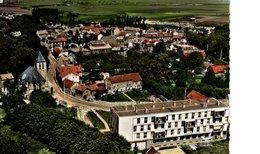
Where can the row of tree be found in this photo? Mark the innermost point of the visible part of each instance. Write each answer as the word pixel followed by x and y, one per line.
pixel 216 44
pixel 126 20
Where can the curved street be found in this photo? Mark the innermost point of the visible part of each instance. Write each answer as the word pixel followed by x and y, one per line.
pixel 70 100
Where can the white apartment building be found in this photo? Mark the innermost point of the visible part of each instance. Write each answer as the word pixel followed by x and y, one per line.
pixel 171 123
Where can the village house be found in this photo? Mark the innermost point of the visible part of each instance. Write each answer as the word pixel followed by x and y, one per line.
pixel 194 95
pixel 186 50
pixel 219 70
pixel 72 73
pixel 123 83
pixel 99 47
pixel 69 86
pixel 88 91
pixel 59 42
pixel 4 78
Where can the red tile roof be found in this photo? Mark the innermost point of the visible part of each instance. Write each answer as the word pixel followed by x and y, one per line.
pixel 62 39
pixel 67 83
pixel 57 50
pixel 176 36
pixel 125 77
pixel 92 87
pixel 62 34
pixel 218 68
pixel 65 70
pixel 151 150
pixel 81 88
pixel 203 54
pixel 97 30
pixel 194 95
pixel 121 34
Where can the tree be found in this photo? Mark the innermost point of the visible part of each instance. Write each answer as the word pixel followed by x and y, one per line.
pixel 43 99
pixel 15 142
pixel 13 99
pixel 209 78
pixel 2 115
pixel 195 60
pixel 70 112
pixel 159 48
pixel 61 133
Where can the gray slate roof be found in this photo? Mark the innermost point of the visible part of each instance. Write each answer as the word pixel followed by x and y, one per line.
pixel 31 75
pixel 40 57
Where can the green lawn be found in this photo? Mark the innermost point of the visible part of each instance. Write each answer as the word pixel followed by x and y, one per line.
pixel 139 95
pixel 152 9
pixel 115 98
pixel 105 115
pixel 95 120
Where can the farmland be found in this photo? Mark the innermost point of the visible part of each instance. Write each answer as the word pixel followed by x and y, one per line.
pixel 151 9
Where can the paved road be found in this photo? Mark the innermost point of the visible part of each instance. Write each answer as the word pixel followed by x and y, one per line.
pixel 59 94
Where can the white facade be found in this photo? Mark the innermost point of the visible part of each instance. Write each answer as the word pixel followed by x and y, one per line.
pixel 71 77
pixel 172 128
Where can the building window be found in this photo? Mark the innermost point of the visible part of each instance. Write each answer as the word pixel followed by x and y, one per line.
pixel 199 114
pixel 204 128
pixel 162 125
pixel 173 117
pixel 153 119
pixel 192 116
pixel 145 135
pixel 205 114
pixel 138 120
pixel 134 128
pixel 138 135
pixel 155 126
pixel 176 124
pixel 179 116
pixel 145 120
pixel 169 125
pixel 149 127
pixel 198 129
pixel 208 121
pixel 186 116
pixel 142 128
pixel 179 131
pixel 172 132
pixel 201 121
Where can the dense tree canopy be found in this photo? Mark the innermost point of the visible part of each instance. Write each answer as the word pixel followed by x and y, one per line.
pixel 17 53
pixel 62 134
pixel 43 99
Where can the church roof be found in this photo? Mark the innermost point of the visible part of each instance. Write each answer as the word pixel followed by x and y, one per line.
pixel 40 57
pixel 31 75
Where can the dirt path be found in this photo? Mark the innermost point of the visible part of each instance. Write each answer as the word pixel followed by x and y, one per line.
pixel 107 129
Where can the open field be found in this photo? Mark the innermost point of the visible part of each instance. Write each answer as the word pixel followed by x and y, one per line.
pixel 151 9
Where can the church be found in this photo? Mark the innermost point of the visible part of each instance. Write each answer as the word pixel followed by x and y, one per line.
pixel 34 78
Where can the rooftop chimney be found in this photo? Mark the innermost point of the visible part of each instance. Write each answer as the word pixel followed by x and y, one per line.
pixel 136 109
pixel 146 110
pixel 174 104
pixel 205 105
pixel 190 101
pixel 183 105
pixel 126 108
pixel 163 107
pixel 153 105
pixel 218 103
